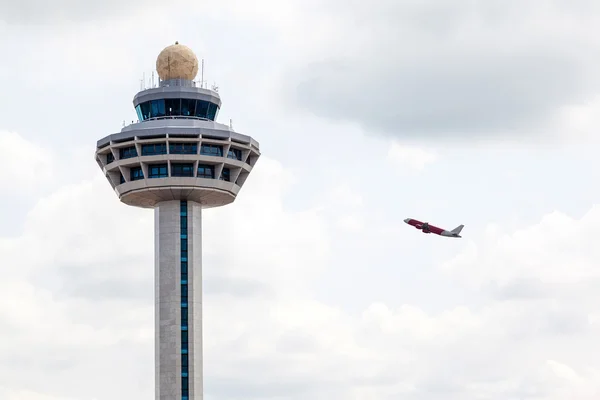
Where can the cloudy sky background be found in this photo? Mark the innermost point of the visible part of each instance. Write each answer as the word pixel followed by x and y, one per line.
pixel 477 112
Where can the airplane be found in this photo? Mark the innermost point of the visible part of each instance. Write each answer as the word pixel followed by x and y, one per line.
pixel 426 228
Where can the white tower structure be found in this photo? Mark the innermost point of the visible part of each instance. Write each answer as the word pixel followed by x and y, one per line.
pixel 177 160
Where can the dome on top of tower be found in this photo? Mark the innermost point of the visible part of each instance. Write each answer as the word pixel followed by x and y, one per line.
pixel 177 62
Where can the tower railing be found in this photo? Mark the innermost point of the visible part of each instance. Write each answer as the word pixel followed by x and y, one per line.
pixel 177 117
pixel 179 82
pixel 152 84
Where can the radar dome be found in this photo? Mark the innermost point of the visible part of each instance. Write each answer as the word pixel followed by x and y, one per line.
pixel 177 62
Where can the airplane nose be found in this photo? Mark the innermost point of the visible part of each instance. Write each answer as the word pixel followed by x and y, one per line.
pixel 407 220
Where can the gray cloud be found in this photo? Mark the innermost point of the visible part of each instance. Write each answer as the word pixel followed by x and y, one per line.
pixel 58 342
pixel 526 289
pixel 64 11
pixel 467 68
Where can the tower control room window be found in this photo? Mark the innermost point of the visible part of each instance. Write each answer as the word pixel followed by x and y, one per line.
pixel 138 110
pixel 211 150
pixel 206 171
pixel 177 107
pixel 183 148
pixel 110 158
pixel 212 111
pixel 173 106
pixel 182 170
pixel 157 171
pixel 157 108
pixel 154 149
pixel 201 109
pixel 145 110
pixel 136 173
pixel 188 107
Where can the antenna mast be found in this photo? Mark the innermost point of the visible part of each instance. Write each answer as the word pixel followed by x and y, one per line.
pixel 202 75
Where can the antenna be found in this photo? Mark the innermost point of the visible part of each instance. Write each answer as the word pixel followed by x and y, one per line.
pixel 202 75
pixel 230 124
pixel 152 78
pixel 144 79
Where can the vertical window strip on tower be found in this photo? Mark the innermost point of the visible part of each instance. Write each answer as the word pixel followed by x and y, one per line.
pixel 183 216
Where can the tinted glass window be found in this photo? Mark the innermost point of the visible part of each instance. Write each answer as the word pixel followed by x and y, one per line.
pixel 183 148
pixel 206 171
pixel 202 109
pixel 157 171
pixel 173 106
pixel 182 170
pixel 157 108
pixel 145 110
pixel 154 149
pixel 212 111
pixel 225 175
pixel 136 173
pixel 138 111
pixel 211 150
pixel 188 107
pixel 235 154
pixel 127 152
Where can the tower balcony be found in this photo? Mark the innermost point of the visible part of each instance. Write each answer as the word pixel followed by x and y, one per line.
pixel 163 160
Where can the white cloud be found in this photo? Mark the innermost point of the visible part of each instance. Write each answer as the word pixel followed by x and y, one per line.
pixel 454 70
pixel 87 288
pixel 557 251
pixel 344 195
pixel 578 120
pixel 66 12
pixel 514 316
pixel 274 247
pixel 412 157
pixel 343 203
pixel 30 395
pixel 351 223
pixel 24 165
pixel 87 292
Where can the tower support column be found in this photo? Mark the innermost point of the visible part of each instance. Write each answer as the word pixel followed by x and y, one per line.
pixel 178 300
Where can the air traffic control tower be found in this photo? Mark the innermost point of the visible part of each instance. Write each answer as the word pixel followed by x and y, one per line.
pixel 177 160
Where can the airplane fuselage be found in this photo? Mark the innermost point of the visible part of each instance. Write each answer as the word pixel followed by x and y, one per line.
pixel 428 228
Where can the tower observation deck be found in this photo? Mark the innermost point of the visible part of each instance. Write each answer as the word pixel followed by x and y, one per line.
pixel 177 160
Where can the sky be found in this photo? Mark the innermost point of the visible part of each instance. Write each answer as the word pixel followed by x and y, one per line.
pixel 482 113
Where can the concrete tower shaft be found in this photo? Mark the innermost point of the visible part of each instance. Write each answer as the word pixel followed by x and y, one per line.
pixel 178 160
pixel 178 300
